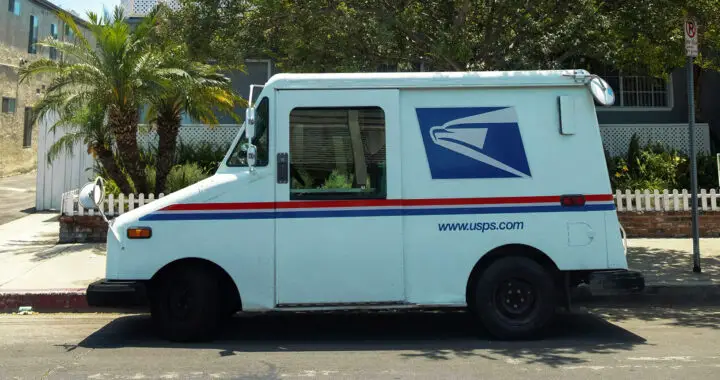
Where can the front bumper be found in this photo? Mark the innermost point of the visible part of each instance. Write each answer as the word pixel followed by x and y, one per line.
pixel 117 294
pixel 614 282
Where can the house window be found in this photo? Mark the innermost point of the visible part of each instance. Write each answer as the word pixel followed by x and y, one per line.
pixel 54 35
pixel 637 91
pixel 337 153
pixel 14 7
pixel 68 32
pixel 27 130
pixel 8 105
pixel 32 47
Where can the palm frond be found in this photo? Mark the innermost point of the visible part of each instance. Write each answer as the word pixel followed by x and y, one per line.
pixel 39 67
pixel 68 20
pixel 65 144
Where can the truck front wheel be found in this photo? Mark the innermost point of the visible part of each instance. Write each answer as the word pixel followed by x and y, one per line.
pixel 515 298
pixel 185 304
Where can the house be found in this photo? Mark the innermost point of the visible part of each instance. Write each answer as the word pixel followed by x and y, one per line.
pixel 24 23
pixel 656 110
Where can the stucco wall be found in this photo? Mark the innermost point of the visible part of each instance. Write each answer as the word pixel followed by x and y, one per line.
pixel 15 158
pixel 14 41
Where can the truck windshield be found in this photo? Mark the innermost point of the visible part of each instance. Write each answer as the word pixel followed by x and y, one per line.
pixel 238 157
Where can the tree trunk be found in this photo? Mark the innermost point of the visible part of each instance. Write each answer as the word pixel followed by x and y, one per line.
pixel 107 160
pixel 124 125
pixel 168 127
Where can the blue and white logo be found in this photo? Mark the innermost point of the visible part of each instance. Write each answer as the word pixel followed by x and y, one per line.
pixel 473 142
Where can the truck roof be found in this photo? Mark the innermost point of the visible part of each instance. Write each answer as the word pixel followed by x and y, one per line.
pixel 427 79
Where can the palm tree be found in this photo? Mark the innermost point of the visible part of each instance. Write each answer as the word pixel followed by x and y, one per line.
pixel 115 74
pixel 87 125
pixel 201 94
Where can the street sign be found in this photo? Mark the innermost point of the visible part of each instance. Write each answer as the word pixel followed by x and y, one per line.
pixel 691 38
pixel 691 48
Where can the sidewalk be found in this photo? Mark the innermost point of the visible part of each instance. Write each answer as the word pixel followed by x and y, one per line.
pixel 668 262
pixel 669 280
pixel 35 271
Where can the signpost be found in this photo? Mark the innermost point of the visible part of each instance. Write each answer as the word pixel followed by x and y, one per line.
pixel 691 49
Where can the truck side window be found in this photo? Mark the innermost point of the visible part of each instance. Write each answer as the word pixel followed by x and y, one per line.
pixel 337 153
pixel 261 141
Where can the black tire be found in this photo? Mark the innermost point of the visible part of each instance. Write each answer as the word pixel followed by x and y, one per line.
pixel 515 298
pixel 185 304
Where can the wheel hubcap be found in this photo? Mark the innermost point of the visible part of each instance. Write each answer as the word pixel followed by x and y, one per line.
pixel 515 298
pixel 180 302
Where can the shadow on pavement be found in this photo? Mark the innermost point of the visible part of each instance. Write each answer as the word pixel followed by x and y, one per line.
pixel 685 316
pixel 429 335
pixel 44 247
pixel 670 265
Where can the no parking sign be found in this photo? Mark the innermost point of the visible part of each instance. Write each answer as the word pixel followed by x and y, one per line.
pixel 691 38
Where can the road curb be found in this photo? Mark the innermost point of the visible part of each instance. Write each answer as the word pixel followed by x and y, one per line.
pixel 51 300
pixel 74 300
pixel 660 295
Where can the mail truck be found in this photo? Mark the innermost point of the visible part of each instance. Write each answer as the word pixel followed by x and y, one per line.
pixel 480 190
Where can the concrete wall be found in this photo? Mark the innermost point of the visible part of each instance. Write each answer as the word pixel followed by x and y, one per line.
pixel 15 30
pixel 15 158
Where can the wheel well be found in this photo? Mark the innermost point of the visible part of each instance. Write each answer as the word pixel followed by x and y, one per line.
pixel 229 289
pixel 516 250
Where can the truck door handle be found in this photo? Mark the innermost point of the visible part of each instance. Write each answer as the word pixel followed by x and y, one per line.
pixel 282 167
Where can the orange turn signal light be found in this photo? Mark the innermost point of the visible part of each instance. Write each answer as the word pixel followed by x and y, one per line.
pixel 139 233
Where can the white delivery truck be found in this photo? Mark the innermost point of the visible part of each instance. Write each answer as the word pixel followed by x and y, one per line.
pixel 485 190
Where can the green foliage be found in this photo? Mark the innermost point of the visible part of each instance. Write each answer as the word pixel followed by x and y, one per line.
pixel 633 156
pixel 207 156
pixel 306 181
pixel 150 176
pixel 706 171
pixel 360 35
pixel 338 180
pixel 182 176
pixel 655 167
pixel 111 187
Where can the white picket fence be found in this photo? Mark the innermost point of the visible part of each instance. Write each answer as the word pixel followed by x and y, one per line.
pixel 628 200
pixel 666 200
pixel 111 206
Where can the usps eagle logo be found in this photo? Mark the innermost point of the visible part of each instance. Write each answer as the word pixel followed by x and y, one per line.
pixel 473 142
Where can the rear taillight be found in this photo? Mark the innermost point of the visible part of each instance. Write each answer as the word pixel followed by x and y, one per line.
pixel 572 200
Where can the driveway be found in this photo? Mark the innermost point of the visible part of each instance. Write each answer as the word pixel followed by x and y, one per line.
pixel 17 197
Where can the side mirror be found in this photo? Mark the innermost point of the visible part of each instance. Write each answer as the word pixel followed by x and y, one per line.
pixel 250 124
pixel 601 91
pixel 92 194
pixel 251 156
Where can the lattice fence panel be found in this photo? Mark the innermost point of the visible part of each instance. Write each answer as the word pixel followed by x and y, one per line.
pixel 616 138
pixel 218 136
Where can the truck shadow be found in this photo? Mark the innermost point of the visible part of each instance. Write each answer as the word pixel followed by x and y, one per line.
pixel 435 336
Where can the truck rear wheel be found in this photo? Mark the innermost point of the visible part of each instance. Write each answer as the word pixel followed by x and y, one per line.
pixel 185 304
pixel 514 298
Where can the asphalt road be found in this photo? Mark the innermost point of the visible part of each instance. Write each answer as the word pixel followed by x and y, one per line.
pixel 632 343
pixel 17 197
